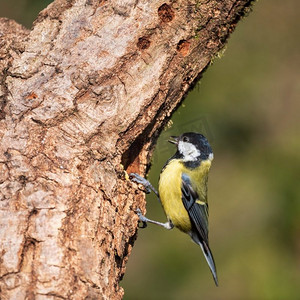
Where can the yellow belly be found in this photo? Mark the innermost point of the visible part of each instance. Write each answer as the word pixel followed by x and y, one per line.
pixel 170 195
pixel 170 191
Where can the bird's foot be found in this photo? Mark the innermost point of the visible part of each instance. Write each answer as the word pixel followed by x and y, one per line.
pixel 141 180
pixel 142 218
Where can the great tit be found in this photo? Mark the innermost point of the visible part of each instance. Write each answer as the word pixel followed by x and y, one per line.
pixel 182 191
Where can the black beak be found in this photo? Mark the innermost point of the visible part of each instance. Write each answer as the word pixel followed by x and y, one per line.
pixel 173 140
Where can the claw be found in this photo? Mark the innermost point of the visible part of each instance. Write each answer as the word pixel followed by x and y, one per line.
pixel 137 178
pixel 138 212
pixel 142 218
pixel 144 224
pixel 140 180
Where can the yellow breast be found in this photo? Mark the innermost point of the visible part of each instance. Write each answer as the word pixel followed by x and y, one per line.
pixel 170 190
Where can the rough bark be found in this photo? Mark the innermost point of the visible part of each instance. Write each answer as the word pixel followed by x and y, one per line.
pixel 84 95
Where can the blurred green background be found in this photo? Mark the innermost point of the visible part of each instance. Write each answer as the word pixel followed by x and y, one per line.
pixel 23 11
pixel 247 104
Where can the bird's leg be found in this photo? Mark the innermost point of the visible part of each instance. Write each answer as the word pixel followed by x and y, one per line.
pixel 147 185
pixel 144 220
pixel 148 188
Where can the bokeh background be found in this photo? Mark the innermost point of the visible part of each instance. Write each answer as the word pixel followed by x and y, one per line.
pixel 247 104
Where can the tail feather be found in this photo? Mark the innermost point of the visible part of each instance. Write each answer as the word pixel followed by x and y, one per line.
pixel 207 254
pixel 210 260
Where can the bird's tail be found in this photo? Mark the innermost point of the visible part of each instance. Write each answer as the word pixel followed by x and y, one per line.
pixel 208 256
pixel 210 260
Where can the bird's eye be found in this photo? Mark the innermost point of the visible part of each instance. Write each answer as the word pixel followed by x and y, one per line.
pixel 185 139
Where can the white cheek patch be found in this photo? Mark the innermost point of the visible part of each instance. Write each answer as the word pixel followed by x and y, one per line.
pixel 188 150
pixel 211 156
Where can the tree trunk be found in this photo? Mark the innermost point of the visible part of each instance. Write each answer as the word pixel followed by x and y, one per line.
pixel 84 95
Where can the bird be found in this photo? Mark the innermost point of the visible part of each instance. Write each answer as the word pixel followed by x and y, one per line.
pixel 182 191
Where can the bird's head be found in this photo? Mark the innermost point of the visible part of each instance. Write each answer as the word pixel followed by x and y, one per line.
pixel 192 146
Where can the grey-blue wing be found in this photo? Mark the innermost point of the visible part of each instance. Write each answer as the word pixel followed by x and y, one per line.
pixel 197 210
